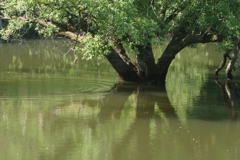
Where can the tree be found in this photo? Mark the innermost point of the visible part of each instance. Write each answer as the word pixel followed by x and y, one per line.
pixel 116 28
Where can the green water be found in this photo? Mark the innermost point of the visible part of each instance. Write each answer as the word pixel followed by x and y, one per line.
pixel 53 109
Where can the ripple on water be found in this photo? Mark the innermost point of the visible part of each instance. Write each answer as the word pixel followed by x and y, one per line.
pixel 36 86
pixel 94 85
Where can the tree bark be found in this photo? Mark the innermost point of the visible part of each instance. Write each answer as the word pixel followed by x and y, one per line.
pixel 145 63
pixel 122 64
pixel 144 70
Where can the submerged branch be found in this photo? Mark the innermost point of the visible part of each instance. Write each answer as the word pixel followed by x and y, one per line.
pixel 231 64
pixel 225 56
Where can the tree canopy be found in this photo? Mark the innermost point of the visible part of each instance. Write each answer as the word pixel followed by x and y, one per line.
pixel 116 28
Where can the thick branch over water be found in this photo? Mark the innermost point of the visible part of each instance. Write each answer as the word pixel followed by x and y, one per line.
pixel 180 42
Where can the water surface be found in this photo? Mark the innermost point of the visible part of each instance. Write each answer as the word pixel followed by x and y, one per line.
pixel 53 109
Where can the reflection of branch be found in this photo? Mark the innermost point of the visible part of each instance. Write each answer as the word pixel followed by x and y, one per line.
pixel 229 96
pixel 225 95
pixel 229 89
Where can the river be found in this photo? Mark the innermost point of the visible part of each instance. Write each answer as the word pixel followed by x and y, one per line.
pixel 54 109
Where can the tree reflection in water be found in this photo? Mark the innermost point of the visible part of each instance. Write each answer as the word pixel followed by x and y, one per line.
pixel 147 97
pixel 150 102
pixel 129 121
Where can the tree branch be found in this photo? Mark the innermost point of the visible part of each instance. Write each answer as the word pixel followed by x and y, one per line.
pixel 163 11
pixel 122 64
pixel 225 56
pixel 231 64
pixel 177 44
pixel 174 14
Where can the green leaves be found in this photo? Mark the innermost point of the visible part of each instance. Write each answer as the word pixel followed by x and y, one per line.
pixel 93 46
pixel 13 30
pixel 123 21
pixel 132 22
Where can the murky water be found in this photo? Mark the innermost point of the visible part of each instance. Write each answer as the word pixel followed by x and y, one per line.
pixel 53 109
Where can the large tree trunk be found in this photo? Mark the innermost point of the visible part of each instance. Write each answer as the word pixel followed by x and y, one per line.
pixel 145 70
pixel 145 63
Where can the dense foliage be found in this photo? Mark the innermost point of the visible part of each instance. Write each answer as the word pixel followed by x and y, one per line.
pixel 104 24
pixel 135 22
